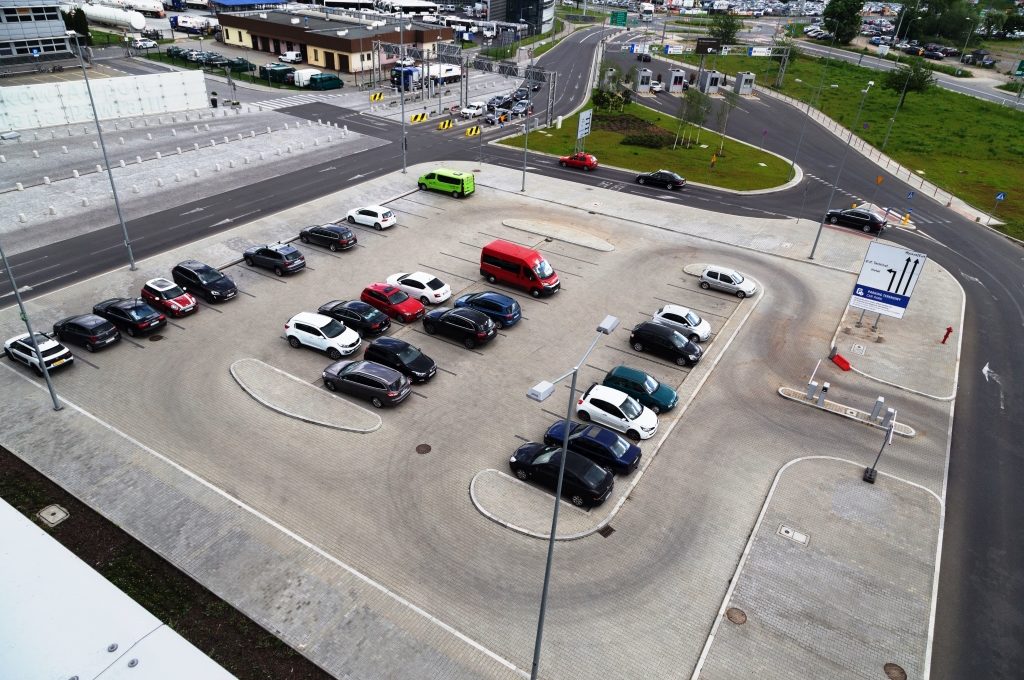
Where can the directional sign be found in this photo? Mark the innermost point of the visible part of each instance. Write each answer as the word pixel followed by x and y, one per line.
pixel 759 52
pixel 1001 196
pixel 708 46
pixel 910 195
pixel 584 125
pixel 887 279
pixel 618 18
pixel 673 49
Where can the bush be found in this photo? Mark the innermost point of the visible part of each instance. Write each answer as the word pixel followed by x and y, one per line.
pixel 647 139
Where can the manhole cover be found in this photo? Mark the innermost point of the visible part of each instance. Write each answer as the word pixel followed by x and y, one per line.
pixel 422 448
pixel 735 615
pixel 156 338
pixel 52 515
pixel 606 531
pixel 894 672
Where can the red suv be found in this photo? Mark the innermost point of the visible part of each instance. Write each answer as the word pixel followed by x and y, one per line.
pixel 168 297
pixel 393 301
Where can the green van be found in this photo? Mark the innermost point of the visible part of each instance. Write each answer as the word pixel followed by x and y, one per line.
pixel 325 81
pixel 458 184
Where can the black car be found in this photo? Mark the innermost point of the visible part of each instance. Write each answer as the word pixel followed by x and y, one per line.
pixel 381 385
pixel 665 342
pixel 521 94
pixel 523 107
pixel 643 57
pixel 408 360
pixel 502 101
pixel 933 54
pixel 586 484
pixel 334 236
pixel 364 319
pixel 88 330
pixel 214 60
pixel 859 218
pixel 201 279
pixel 241 65
pixel 468 326
pixel 134 315
pixel 280 257
pixel 665 178
pixel 606 448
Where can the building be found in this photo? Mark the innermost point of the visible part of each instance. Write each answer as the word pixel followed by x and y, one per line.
pixel 31 30
pixel 539 14
pixel 326 40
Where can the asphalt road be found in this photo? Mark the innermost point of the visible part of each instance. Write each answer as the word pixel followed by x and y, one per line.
pixel 978 625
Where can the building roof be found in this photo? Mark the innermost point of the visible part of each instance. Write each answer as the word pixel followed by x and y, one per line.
pixel 254 4
pixel 323 32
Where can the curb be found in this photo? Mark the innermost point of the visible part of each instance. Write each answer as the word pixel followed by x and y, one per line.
pixel 863 417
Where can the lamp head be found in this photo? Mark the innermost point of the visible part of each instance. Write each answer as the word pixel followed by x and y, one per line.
pixel 608 324
pixel 541 391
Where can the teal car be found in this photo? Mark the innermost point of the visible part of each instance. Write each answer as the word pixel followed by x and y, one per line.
pixel 654 395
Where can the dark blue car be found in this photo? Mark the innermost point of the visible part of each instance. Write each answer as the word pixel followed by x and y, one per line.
pixel 604 447
pixel 502 310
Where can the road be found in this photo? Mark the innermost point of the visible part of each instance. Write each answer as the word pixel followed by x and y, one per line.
pixel 978 626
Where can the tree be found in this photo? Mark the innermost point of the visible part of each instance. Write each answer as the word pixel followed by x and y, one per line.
pixel 994 22
pixel 732 100
pixel 914 77
pixel 725 27
pixel 842 19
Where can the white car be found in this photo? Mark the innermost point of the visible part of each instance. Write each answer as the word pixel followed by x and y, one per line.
pixel 729 280
pixel 474 110
pixel 685 321
pixel 143 44
pixel 322 333
pixel 657 86
pixel 20 348
pixel 375 216
pixel 422 286
pixel 618 411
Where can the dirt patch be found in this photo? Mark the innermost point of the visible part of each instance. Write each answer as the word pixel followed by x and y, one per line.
pixel 625 124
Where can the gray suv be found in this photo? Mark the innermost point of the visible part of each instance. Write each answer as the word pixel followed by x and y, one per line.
pixel 280 257
pixel 381 385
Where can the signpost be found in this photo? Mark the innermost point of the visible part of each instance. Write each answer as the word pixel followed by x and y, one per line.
pixel 583 129
pixel 1000 197
pixel 618 18
pixel 887 279
pixel 759 52
pixel 708 46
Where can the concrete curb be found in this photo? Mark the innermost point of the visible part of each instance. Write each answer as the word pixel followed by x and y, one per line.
pixel 508 525
pixel 252 393
pixel 863 417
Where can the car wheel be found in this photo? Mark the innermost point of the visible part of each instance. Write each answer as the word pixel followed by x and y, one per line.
pixel 577 500
pixel 680 361
pixel 424 300
pixel 694 338
pixel 248 260
pixel 8 353
pixel 491 279
pixel 429 328
pixel 130 331
pixel 90 348
pixel 209 297
pixel 587 168
pixel 351 219
pixel 423 187
pixel 583 415
pixel 334 354
pixel 638 346
pixel 562 163
pixel 535 293
pixel 470 343
pixel 656 409
pixel 456 194
pixel 303 238
pixel 330 386
pixel 377 403
pixel 634 435
pixel 867 227
pixel 833 220
pixel 673 187
pixel 740 294
pixel 333 247
pixel 705 285
pixel 294 342
pixel 498 324
pixel 522 474
pixel 641 180
pixel 376 225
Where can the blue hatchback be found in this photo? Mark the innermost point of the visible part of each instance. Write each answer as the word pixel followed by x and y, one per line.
pixel 604 447
pixel 502 310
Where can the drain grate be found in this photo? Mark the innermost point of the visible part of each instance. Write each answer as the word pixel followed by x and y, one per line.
pixel 422 448
pixel 735 615
pixel 792 534
pixel 606 531
pixel 52 515
pixel 156 338
pixel 894 672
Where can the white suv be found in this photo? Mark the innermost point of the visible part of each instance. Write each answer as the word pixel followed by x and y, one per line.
pixel 322 333
pixel 618 411
pixel 474 110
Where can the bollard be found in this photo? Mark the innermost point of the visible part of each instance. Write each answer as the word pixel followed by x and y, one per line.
pixel 268 130
pixel 74 173
pixel 135 188
pixel 286 126
pixel 63 149
pixel 120 140
pixel 159 155
pixel 247 160
pixel 22 218
pixel 121 163
pixel 115 125
pixel 239 136
pixel 19 186
pixel 288 149
pixel 179 150
pixel 225 140
pixel 53 135
pixel 231 164
pixel 329 138
pixel 262 157
pixel 85 202
pixel 195 172
pixel 302 145
pixel 316 142
pixel 213 142
pixel 174 133
pixel 138 160
pixel 85 131
pixel 890 413
pixel 177 177
pixel 51 210
pixel 3 158
pixel 195 128
pixel 206 126
pixel 174 119
pixel 877 408
pixel 146 121
pixel 319 121
pixel 98 168
pixel 216 167
pixel 35 154
pixel 95 145
pixel 131 124
pixel 70 133
pixel 252 133
pixel 822 394
pixel 344 129
pixel 195 146
pixel 309 123
pixel 46 181
pixel 35 135
pixel 812 387
pixel 159 181
pixel 277 152
pixel 149 136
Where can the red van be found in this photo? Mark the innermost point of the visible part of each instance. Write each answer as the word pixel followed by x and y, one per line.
pixel 518 266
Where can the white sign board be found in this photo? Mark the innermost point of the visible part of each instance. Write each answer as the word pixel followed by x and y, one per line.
pixel 887 279
pixel 759 52
pixel 584 127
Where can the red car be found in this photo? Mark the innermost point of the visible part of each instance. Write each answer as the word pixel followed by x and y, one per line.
pixel 393 301
pixel 168 296
pixel 579 160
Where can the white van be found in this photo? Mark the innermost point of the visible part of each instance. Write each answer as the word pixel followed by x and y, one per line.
pixel 292 57
pixel 302 76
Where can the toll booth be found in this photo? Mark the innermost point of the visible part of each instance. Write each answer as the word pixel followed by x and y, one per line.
pixel 743 83
pixel 643 81
pixel 676 80
pixel 709 82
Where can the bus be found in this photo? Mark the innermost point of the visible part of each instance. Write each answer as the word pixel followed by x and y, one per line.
pixel 646 11
pixel 407 7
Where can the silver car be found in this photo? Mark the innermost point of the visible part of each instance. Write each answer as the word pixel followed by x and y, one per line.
pixel 685 321
pixel 729 280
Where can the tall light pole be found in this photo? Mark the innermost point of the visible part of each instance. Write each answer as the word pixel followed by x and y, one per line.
pixel 526 116
pixel 913 15
pixel 970 31
pixel 846 152
pixel 103 147
pixel 540 392
pixel 401 86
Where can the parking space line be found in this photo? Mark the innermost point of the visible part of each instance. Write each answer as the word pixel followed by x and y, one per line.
pixel 78 357
pixel 635 355
pixel 563 271
pixel 367 230
pixel 409 212
pixel 456 257
pixel 171 323
pixel 447 371
pixel 525 245
pixel 568 257
pixel 467 278
pixel 429 205
pixel 419 394
pixel 275 277
pixel 207 305
pixel 322 252
pixel 245 293
pixel 309 268
pixel 521 438
pixel 701 291
pixel 448 342
pixel 553 414
pixel 125 338
pixel 596 368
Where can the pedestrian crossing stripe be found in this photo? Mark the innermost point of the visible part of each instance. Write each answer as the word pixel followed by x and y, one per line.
pixel 294 100
pixel 376 96
pixel 418 118
pixel 473 131
pixel 445 124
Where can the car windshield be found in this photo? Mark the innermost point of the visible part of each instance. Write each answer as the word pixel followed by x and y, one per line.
pixel 435 284
pixel 619 447
pixel 333 329
pixel 408 354
pixel 737 277
pixel 594 475
pixel 651 385
pixel 397 297
pixel 374 315
pixel 550 455
pixel 171 293
pixel 291 255
pixel 387 215
pixel 630 408
pixel 543 269
pixel 209 275
pixel 679 341
pixel 692 319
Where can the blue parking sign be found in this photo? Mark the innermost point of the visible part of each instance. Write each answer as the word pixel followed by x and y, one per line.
pixel 1001 196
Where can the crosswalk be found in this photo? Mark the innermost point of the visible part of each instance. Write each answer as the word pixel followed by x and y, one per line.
pixel 294 100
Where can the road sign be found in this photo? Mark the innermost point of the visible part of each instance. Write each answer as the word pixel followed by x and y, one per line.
pixel 633 48
pixel 910 195
pixel 887 279
pixel 708 46
pixel 673 49
pixel 759 52
pixel 35 52
pixel 584 126
pixel 618 19
pixel 1001 196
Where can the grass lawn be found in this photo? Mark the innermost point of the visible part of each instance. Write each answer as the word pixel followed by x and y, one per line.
pixel 967 146
pixel 739 168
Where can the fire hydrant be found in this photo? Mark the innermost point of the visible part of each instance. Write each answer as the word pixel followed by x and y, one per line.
pixel 949 329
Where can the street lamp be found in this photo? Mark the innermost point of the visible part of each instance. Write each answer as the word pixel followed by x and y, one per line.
pixel 846 152
pixel 103 147
pixel 401 85
pixel 968 40
pixel 540 392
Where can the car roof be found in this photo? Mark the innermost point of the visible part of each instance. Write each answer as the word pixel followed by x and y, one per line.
pixel 674 309
pixel 623 371
pixel 373 368
pixel 720 270
pixel 653 328
pixel 422 277
pixel 465 312
pixel 388 342
pixel 312 318
pixel 335 227
pixel 385 288
pixel 193 265
pixel 376 208
pixel 495 296
pixel 280 247
pixel 160 283
pixel 607 393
